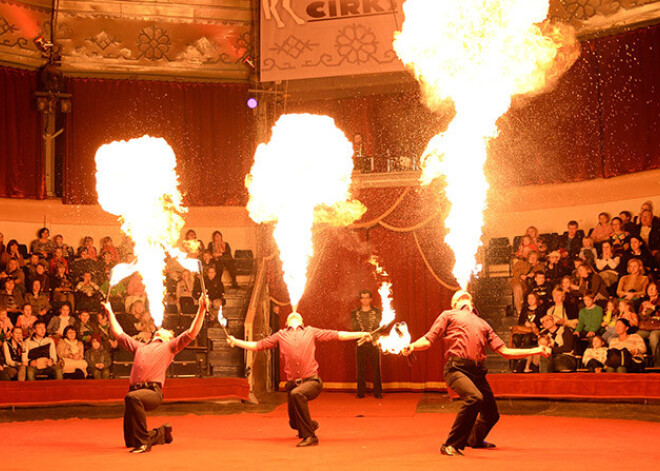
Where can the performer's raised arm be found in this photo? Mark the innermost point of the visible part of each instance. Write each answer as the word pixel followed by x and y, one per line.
pixel 420 344
pixel 343 335
pixel 244 344
pixel 198 321
pixel 115 327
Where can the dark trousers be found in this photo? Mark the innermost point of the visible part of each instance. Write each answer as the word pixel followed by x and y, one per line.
pixel 137 403
pixel 479 413
pixel 299 395
pixel 368 354
pixel 558 362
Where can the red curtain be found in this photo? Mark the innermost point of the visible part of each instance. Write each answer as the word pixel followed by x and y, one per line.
pixel 22 173
pixel 209 127
pixel 340 269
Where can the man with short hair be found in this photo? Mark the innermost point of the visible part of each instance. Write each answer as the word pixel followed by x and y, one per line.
pixel 649 232
pixel 570 242
pixel 148 376
pixel 562 344
pixel 297 344
pixel 465 336
pixel 40 354
pixel 366 318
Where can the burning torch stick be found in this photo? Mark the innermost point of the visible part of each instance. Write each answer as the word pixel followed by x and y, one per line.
pixel 221 320
pixel 378 332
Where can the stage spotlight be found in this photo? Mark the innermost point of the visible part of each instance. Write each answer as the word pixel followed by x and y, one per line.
pixel 252 103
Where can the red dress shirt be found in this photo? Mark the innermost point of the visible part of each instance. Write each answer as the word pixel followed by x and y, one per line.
pixel 298 349
pixel 465 334
pixel 152 359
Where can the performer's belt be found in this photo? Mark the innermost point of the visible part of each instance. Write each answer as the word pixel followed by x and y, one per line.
pixel 147 385
pixel 465 361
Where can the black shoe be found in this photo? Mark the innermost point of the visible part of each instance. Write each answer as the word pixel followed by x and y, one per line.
pixel 167 428
pixel 450 451
pixel 360 396
pixel 483 445
pixel 309 441
pixel 141 449
pixel 378 396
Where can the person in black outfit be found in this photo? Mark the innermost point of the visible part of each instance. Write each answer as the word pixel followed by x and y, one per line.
pixel 367 318
pixel 466 336
pixel 570 242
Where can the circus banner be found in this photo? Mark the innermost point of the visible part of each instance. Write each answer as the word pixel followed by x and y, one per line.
pixel 322 38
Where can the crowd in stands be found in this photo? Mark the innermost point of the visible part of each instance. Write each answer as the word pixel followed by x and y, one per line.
pixel 593 298
pixel 52 324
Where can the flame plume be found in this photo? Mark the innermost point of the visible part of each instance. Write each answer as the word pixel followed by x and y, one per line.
pixel 137 181
pixel 477 54
pixel 300 177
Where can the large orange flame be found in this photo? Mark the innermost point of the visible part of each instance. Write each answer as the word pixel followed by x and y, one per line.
pixel 300 177
pixel 137 181
pixel 477 54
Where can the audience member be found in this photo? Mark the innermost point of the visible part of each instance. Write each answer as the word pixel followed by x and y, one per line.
pixel 71 352
pixel 523 271
pixel 626 219
pixel 562 342
pixel 83 264
pixel 560 311
pixel 633 285
pixel 184 293
pixel 135 291
pixel 221 252
pixel 648 230
pixel 625 349
pixel 85 328
pixel 87 294
pixel 607 264
pixel 40 355
pixel 107 247
pixel 192 246
pixel 570 242
pixel 591 283
pixel 26 320
pixel 34 260
pixel 11 298
pixel 56 260
pixel 529 323
pixel 102 329
pixel 42 245
pixel 637 251
pixel 627 312
pixel 537 240
pixel 57 324
pixel 40 275
pixel 571 297
pixel 126 250
pixel 588 253
pixel 58 243
pixel 603 230
pixel 590 318
pixel 6 325
pixel 555 268
pixel 609 319
pixel 14 271
pixel 526 247
pixel 38 299
pixel 649 321
pixel 619 237
pixel 62 288
pixel 542 289
pixel 214 287
pixel 98 359
pixel 646 206
pixel 88 243
pixel 595 357
pixel 15 365
pixel 12 251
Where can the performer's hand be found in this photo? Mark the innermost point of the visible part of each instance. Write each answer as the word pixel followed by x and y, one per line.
pixel 546 351
pixel 407 350
pixel 231 341
pixel 203 302
pixel 366 338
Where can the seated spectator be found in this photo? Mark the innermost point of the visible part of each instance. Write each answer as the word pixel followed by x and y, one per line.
pixel 625 350
pixel 646 206
pixel 135 291
pixel 590 318
pixel 626 220
pixel 57 324
pixel 14 272
pixel 11 298
pixel 98 359
pixel 13 348
pixel 184 293
pixel 58 242
pixel 633 285
pixel 541 288
pixel 523 271
pixel 529 322
pixel 40 355
pixel 34 260
pixel 192 246
pixel 619 237
pixel 637 251
pixel 88 243
pixel 107 247
pixel 38 300
pixel 570 242
pixel 562 342
pixel 537 241
pixel 58 259
pixel 207 261
pixel 71 352
pixel 107 264
pixel 609 319
pixel 532 362
pixel 6 325
pixel 126 249
pixel 595 357
pixel 41 276
pixel 26 320
pixel 571 298
pixel 560 311
pixel 42 245
pixel 591 283
pixel 62 288
pixel 607 264
pixel 85 328
pixel 223 259
pixel 11 251
pixel 84 264
pixel 648 229
pixel 87 294
pixel 627 312
pixel 526 247
pixel 649 321
pixel 214 287
pixel 603 230
pixel 138 323
pixel 555 268
pixel 588 253
pixel 102 330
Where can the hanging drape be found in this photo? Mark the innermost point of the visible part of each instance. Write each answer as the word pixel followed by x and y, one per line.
pixel 22 172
